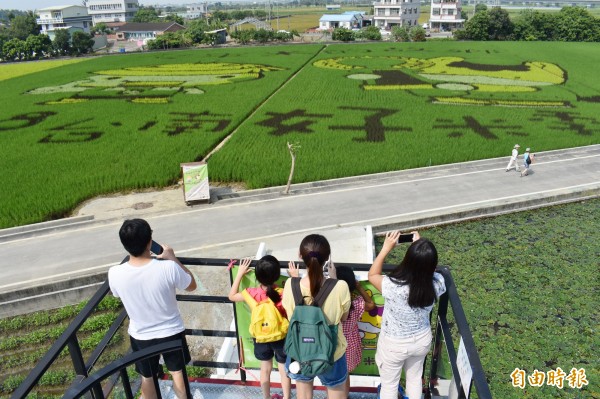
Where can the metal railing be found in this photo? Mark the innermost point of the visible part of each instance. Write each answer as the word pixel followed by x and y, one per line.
pixel 93 383
pixel 443 333
pixel 88 384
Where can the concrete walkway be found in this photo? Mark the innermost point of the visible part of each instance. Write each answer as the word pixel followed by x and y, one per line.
pixel 233 225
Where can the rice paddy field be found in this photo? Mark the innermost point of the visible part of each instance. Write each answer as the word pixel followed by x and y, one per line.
pixel 115 123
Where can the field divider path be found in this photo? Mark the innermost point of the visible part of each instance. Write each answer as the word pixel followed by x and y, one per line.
pixel 266 100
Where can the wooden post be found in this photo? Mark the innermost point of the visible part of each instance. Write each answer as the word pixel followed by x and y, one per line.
pixel 292 149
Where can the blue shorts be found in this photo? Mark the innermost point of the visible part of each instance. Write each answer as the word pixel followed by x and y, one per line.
pixel 335 376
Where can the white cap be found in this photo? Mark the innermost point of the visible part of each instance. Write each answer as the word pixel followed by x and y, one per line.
pixel 527 149
pixel 517 146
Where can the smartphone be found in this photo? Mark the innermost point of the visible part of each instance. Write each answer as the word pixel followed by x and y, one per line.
pixel 326 267
pixel 156 248
pixel 406 238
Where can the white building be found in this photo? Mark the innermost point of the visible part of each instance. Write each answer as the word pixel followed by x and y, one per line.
pixel 112 10
pixel 445 15
pixel 348 20
pixel 390 13
pixel 195 11
pixel 73 18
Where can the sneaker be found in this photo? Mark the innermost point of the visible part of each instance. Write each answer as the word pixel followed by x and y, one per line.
pixel 276 396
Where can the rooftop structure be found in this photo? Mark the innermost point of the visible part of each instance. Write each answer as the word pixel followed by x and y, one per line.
pixel 150 30
pixel 112 10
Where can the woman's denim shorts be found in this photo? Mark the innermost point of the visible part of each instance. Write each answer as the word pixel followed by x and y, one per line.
pixel 335 376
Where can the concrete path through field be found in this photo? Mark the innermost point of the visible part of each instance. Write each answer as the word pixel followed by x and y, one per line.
pixel 397 199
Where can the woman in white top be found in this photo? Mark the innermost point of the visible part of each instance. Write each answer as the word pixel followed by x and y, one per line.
pixel 410 291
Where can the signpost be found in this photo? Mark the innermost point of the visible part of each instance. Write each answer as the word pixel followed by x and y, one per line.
pixel 195 182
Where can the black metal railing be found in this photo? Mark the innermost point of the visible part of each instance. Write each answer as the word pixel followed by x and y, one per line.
pixel 91 384
pixel 443 334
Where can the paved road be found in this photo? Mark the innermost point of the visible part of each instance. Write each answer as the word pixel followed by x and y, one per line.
pixel 377 200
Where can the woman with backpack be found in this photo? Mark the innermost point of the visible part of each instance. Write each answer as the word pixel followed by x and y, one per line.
pixel 267 272
pixel 315 252
pixel 528 159
pixel 409 291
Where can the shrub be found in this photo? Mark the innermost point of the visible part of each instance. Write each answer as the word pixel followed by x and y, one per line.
pixel 342 34
pixel 400 34
pixel 417 34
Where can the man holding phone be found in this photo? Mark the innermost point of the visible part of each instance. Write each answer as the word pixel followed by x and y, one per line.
pixel 147 288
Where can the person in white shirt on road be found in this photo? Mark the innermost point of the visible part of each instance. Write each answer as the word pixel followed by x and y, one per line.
pixel 513 158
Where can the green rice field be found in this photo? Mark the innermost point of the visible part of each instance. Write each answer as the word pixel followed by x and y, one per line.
pixel 124 122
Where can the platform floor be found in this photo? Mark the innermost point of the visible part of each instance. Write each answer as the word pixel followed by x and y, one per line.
pixel 238 390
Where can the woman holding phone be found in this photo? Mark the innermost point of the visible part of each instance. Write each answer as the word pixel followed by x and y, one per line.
pixel 410 291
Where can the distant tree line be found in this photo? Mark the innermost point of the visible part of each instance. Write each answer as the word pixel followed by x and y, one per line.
pixel 570 24
pixel 20 40
pixel 246 36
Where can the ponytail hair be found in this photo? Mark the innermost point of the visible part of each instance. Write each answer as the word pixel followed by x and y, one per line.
pixel 267 272
pixel 315 251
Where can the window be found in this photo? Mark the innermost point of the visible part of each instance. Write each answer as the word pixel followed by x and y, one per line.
pixel 450 12
pixel 435 11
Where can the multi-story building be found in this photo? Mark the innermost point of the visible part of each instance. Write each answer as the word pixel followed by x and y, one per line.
pixel 112 10
pixel 73 18
pixel 445 15
pixel 194 11
pixel 390 13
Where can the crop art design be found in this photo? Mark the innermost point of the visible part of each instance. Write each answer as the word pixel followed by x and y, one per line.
pixel 453 80
pixel 153 84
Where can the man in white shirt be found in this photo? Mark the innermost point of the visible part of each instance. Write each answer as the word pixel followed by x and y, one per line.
pixel 513 158
pixel 147 288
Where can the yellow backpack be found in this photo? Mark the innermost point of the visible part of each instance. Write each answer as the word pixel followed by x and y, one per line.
pixel 266 322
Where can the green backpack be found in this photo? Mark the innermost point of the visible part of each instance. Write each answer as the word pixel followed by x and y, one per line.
pixel 311 341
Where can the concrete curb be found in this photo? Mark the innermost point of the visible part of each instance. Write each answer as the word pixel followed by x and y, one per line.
pixel 49 296
pixel 31 230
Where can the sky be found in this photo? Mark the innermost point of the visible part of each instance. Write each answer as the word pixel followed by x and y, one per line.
pixel 36 4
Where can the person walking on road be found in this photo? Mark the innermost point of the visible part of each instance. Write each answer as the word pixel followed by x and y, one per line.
pixel 513 158
pixel 147 288
pixel 528 159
